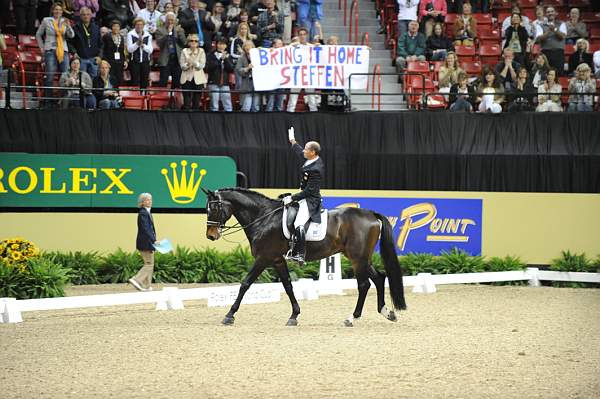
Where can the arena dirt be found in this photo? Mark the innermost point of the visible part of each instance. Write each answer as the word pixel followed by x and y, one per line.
pixel 461 342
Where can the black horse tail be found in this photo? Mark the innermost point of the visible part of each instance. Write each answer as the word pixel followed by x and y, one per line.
pixel 390 261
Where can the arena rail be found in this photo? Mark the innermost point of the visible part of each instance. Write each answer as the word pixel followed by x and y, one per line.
pixel 171 298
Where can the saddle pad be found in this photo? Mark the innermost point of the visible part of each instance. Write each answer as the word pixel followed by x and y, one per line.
pixel 316 232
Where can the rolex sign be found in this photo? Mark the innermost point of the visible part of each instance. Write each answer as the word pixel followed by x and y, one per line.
pixel 110 181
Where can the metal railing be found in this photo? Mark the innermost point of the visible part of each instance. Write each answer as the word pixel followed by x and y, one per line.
pixel 353 11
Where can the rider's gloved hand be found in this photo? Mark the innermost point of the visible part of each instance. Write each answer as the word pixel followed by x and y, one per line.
pixel 287 200
pixel 291 137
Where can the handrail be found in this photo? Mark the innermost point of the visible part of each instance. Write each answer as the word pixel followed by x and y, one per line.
pixel 376 72
pixel 353 8
pixel 345 9
pixel 23 82
pixel 365 39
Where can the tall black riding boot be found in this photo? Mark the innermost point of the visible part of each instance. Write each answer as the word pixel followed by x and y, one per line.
pixel 299 250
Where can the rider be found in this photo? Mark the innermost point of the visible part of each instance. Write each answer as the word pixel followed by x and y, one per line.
pixel 309 199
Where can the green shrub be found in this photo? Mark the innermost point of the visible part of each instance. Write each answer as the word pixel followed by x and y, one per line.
pixel 119 266
pixel 497 264
pixel 414 263
pixel 571 262
pixel 40 278
pixel 458 261
pixel 83 266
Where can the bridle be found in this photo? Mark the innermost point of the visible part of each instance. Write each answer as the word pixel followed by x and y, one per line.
pixel 220 223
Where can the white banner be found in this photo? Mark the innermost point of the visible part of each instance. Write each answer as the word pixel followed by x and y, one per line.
pixel 309 67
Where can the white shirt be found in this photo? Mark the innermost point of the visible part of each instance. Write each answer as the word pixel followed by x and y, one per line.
pixel 132 47
pixel 597 60
pixel 524 21
pixel 539 30
pixel 150 18
pixel 311 161
pixel 406 12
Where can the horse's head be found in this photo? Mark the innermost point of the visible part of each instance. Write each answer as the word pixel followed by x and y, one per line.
pixel 218 211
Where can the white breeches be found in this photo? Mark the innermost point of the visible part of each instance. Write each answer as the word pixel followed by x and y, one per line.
pixel 303 214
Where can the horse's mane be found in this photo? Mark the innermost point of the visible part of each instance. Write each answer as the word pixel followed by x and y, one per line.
pixel 249 192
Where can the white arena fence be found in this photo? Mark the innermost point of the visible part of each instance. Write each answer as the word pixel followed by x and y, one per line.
pixel 172 298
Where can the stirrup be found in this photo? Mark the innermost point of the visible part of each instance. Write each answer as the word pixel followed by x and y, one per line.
pixel 295 257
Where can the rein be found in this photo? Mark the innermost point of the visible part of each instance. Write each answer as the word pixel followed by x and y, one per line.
pixel 237 227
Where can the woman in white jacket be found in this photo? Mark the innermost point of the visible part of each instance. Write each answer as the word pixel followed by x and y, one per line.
pixel 192 61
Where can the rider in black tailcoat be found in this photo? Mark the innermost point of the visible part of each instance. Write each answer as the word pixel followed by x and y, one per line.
pixel 309 199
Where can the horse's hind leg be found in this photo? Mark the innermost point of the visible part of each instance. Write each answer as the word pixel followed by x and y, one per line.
pixel 362 277
pixel 284 275
pixel 379 281
pixel 251 277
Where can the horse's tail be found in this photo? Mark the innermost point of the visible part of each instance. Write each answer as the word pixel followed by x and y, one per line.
pixel 390 261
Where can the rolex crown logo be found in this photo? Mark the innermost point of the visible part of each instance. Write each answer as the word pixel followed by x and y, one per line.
pixel 183 187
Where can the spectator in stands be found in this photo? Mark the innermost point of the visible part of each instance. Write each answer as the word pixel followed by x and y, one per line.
pixel 116 10
pixel 134 7
pixel 311 99
pixel 462 95
pixel 244 19
pixel 309 12
pixel 520 96
pixel 233 11
pixel 242 36
pixel 150 15
pixel 539 70
pixel 270 24
pixel 104 85
pixel 2 48
pixel 193 21
pixel 219 66
pixel 25 14
pixel 465 27
pixel 407 11
pixel 448 74
pixel 549 94
pixel 540 19
pixel 192 61
pixel 285 7
pixel 92 5
pixel 249 100
pixel 582 83
pixel 551 37
pixel 430 12
pixel 507 68
pixel 72 79
pixel 215 23
pixel 52 36
pixel 523 21
pixel 275 99
pixel 139 46
pixel 438 45
pixel 87 42
pixel 575 28
pixel 516 38
pixel 113 51
pixel 170 40
pixel 256 9
pixel 491 92
pixel 178 5
pixel 411 47
pixel 43 9
pixel 162 21
pixel 597 63
pixel 580 56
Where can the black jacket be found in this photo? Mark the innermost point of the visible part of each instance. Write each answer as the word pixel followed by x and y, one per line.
pixel 470 97
pixel 218 70
pixel 312 175
pixel 437 43
pixel 580 58
pixel 111 10
pixel 99 88
pixel 109 49
pixel 87 46
pixel 521 33
pixel 146 235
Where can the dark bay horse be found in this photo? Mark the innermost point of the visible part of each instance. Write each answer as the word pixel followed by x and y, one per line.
pixel 351 231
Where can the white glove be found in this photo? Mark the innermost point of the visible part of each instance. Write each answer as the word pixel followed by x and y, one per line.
pixel 287 200
pixel 291 134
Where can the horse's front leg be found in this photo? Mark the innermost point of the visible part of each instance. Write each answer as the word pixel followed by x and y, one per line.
pixel 284 275
pixel 250 278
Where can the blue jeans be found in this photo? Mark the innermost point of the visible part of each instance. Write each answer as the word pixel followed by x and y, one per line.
pixel 52 67
pixel 108 103
pixel 439 56
pixel 220 93
pixel 89 101
pixel 580 107
pixel 89 65
pixel 275 101
pixel 250 102
pixel 402 26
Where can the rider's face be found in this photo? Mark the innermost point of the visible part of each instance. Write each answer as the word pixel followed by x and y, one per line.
pixel 308 153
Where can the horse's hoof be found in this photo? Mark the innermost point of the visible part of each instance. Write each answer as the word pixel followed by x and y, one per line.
pixel 392 316
pixel 228 321
pixel 292 322
pixel 348 323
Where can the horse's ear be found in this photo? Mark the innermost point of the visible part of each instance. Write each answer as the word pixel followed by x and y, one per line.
pixel 205 191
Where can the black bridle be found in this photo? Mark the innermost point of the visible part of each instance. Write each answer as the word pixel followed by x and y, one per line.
pixel 220 223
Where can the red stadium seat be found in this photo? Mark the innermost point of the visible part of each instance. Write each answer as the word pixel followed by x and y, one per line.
pixel 554 3
pixel 450 18
pixel 472 68
pixel 489 36
pixel 502 16
pixel 436 68
pixel 528 4
pixel 10 40
pixel 416 98
pixel 9 56
pixel 594 33
pixel 420 67
pixel 489 54
pixel 569 49
pixel 158 99
pixel 594 47
pixel 466 53
pixel 28 41
pixel 503 4
pixel 483 20
pixel 154 78
pixel 577 3
pixel 133 98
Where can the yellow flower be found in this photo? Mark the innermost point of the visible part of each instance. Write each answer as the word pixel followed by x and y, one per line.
pixel 16 255
pixel 14 246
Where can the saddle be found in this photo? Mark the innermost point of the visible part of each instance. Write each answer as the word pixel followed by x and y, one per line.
pixel 315 232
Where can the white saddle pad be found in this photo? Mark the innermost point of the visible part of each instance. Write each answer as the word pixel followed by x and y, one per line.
pixel 316 232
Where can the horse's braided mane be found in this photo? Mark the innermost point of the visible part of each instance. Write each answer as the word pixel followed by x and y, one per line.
pixel 246 191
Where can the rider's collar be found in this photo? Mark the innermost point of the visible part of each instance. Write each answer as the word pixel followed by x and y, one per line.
pixel 309 161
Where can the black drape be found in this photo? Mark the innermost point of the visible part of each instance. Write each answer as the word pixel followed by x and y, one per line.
pixel 549 152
